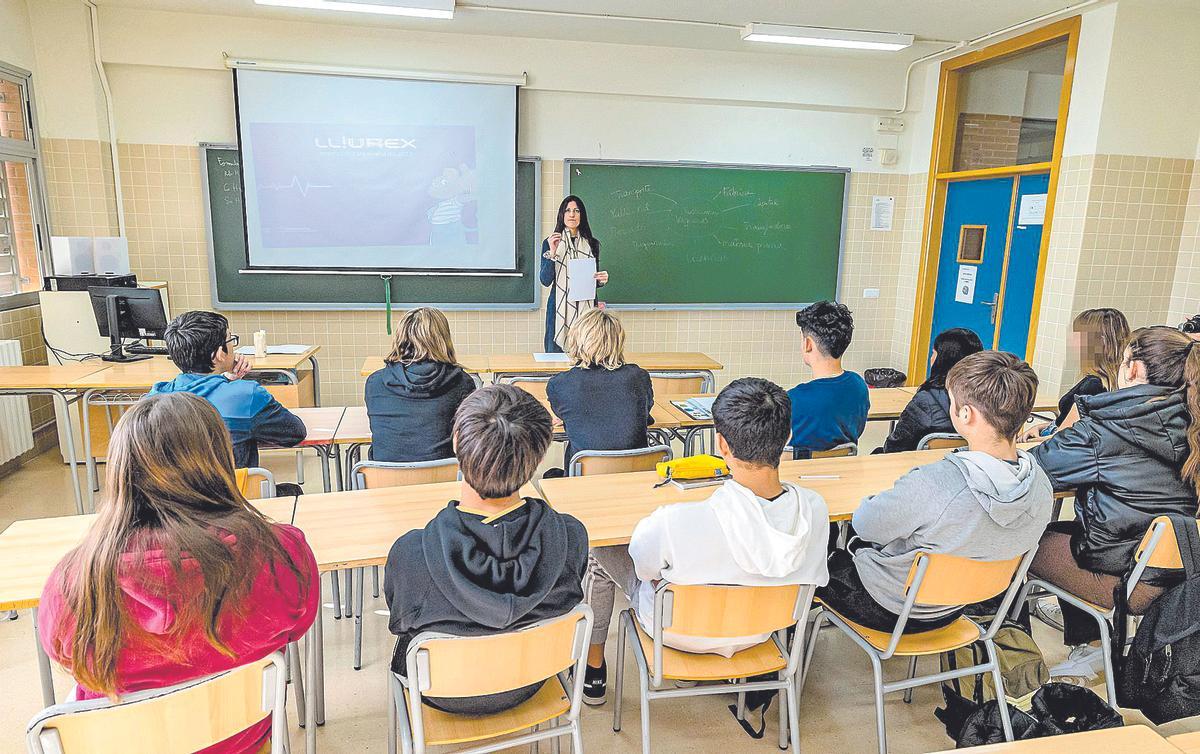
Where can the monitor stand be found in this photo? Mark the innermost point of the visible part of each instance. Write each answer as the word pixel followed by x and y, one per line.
pixel 116 348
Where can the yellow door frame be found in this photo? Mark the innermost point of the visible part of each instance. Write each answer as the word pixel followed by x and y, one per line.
pixel 941 173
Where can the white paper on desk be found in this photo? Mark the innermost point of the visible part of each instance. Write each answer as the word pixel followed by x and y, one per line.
pixel 581 279
pixel 555 357
pixel 287 349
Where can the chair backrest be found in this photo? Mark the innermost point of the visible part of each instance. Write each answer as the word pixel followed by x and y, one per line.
pixel 186 717
pixel 587 462
pixel 677 383
pixel 535 386
pixel 711 611
pixel 369 475
pixel 840 451
pixel 255 483
pixel 941 441
pixel 458 666
pixel 953 580
pixel 1159 548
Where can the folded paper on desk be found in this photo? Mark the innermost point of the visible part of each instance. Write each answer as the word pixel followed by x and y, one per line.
pixel 552 357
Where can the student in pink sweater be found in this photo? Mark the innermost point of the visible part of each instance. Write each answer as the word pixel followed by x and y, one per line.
pixel 179 577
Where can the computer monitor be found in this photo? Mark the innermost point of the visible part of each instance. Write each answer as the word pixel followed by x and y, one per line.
pixel 128 313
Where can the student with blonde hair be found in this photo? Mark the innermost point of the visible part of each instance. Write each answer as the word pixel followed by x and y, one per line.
pixel 179 577
pixel 412 400
pixel 604 403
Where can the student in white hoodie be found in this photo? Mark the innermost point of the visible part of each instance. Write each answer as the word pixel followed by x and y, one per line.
pixel 753 531
pixel 990 501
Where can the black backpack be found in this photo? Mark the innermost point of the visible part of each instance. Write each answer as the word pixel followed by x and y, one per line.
pixel 1056 709
pixel 1160 674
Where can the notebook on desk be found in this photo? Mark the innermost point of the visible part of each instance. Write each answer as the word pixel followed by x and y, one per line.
pixel 697 408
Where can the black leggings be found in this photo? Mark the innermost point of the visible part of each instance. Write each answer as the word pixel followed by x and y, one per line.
pixel 846 595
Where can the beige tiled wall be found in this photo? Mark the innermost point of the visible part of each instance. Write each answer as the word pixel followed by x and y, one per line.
pixel 1185 295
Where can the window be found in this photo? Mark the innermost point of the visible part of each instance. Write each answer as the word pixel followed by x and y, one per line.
pixel 23 228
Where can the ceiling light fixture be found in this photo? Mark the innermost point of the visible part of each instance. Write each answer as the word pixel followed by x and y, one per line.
pixel 412 8
pixel 817 37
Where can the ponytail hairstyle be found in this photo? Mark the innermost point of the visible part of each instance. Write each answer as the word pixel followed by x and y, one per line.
pixel 1173 360
pixel 170 486
pixel 1105 332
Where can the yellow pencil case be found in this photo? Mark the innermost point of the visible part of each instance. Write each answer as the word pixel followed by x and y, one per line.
pixel 693 467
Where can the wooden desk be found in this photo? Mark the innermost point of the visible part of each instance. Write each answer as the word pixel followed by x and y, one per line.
pixel 887 403
pixel 1189 743
pixel 471 364
pixel 1131 739
pixel 56 381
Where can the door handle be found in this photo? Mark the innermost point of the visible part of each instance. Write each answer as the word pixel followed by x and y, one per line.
pixel 994 304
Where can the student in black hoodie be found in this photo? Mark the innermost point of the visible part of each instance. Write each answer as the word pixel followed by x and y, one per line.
pixel 929 410
pixel 412 400
pixel 494 561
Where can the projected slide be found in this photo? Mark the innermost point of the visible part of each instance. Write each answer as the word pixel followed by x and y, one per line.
pixel 347 172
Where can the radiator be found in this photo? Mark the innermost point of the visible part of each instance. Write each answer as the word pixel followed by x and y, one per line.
pixel 16 434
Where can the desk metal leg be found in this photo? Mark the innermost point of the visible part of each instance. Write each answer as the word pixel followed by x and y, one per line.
pixel 89 460
pixel 310 688
pixel 316 380
pixel 43 665
pixel 72 458
pixel 336 451
pixel 324 468
pixel 319 715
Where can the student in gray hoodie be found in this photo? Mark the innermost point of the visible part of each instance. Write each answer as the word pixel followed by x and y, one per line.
pixel 990 501
pixel 493 561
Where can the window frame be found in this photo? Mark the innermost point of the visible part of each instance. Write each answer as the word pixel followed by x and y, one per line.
pixel 29 151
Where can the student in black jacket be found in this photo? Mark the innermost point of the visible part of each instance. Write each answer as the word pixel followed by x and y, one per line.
pixel 603 402
pixel 412 400
pixel 929 410
pixel 1134 454
pixel 492 561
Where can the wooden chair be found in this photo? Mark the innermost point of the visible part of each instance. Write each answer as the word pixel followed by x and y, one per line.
pixel 935 579
pixel 369 475
pixel 588 462
pixel 185 717
pixel 713 611
pixel 255 483
pixel 534 385
pixel 441 665
pixel 666 384
pixel 1159 548
pixel 941 441
pixel 844 450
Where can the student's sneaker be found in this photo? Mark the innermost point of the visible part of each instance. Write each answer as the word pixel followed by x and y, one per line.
pixel 1084 661
pixel 1048 611
pixel 595 685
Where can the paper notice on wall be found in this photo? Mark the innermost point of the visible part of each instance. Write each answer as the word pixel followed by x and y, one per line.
pixel 882 209
pixel 1033 210
pixel 964 290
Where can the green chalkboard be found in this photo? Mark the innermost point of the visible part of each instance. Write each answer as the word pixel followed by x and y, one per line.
pixel 712 236
pixel 234 289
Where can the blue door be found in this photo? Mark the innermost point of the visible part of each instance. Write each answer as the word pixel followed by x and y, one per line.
pixel 987 266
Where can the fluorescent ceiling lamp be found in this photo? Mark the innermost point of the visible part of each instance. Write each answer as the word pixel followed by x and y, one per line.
pixel 817 37
pixel 412 8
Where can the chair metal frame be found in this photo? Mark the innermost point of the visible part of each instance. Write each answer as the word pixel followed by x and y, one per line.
pixel 708 384
pixel 267 488
pixel 1036 588
pixel 805 455
pixel 575 468
pixel 650 670
pixel 876 656
pixel 41 739
pixel 924 442
pixel 355 576
pixel 406 717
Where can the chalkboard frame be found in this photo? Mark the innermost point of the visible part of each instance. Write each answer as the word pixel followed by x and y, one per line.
pixel 531 304
pixel 771 306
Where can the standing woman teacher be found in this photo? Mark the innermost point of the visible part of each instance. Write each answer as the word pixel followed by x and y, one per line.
pixel 572 239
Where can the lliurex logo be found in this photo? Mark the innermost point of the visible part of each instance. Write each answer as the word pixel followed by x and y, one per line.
pixel 362 142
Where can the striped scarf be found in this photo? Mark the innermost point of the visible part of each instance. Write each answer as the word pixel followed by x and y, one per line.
pixel 565 312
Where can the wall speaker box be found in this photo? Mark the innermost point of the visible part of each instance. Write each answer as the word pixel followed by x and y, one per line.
pixel 111 255
pixel 72 255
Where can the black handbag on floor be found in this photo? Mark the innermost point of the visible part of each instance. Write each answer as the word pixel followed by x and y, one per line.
pixel 1057 708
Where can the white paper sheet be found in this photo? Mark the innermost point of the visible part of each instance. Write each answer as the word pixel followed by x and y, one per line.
pixel 581 279
pixel 964 290
pixel 551 357
pixel 882 210
pixel 1033 210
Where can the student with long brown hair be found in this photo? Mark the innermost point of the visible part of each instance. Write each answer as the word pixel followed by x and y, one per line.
pixel 1134 454
pixel 179 577
pixel 1098 339
pixel 412 400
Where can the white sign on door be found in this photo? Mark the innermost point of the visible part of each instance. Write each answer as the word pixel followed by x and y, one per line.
pixel 1033 210
pixel 964 289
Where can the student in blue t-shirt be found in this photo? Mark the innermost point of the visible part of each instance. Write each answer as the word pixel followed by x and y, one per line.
pixel 831 408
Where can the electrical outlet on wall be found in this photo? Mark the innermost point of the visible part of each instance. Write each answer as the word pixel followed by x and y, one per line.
pixel 870 293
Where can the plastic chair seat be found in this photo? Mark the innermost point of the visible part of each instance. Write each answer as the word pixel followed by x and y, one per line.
pixel 446 728
pixel 691 666
pixel 960 633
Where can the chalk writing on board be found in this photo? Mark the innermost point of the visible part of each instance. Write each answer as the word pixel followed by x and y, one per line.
pixel 733 191
pixel 223 161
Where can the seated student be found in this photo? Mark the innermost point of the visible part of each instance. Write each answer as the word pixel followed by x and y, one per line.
pixel 754 530
pixel 201 345
pixel 929 410
pixel 1098 339
pixel 1134 454
pixel 412 400
pixel 831 408
pixel 603 402
pixel 1191 327
pixel 494 561
pixel 179 577
pixel 989 501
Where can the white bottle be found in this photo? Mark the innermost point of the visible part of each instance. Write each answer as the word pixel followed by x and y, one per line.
pixel 260 343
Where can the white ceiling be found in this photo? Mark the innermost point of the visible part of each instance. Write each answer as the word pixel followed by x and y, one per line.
pixel 927 19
